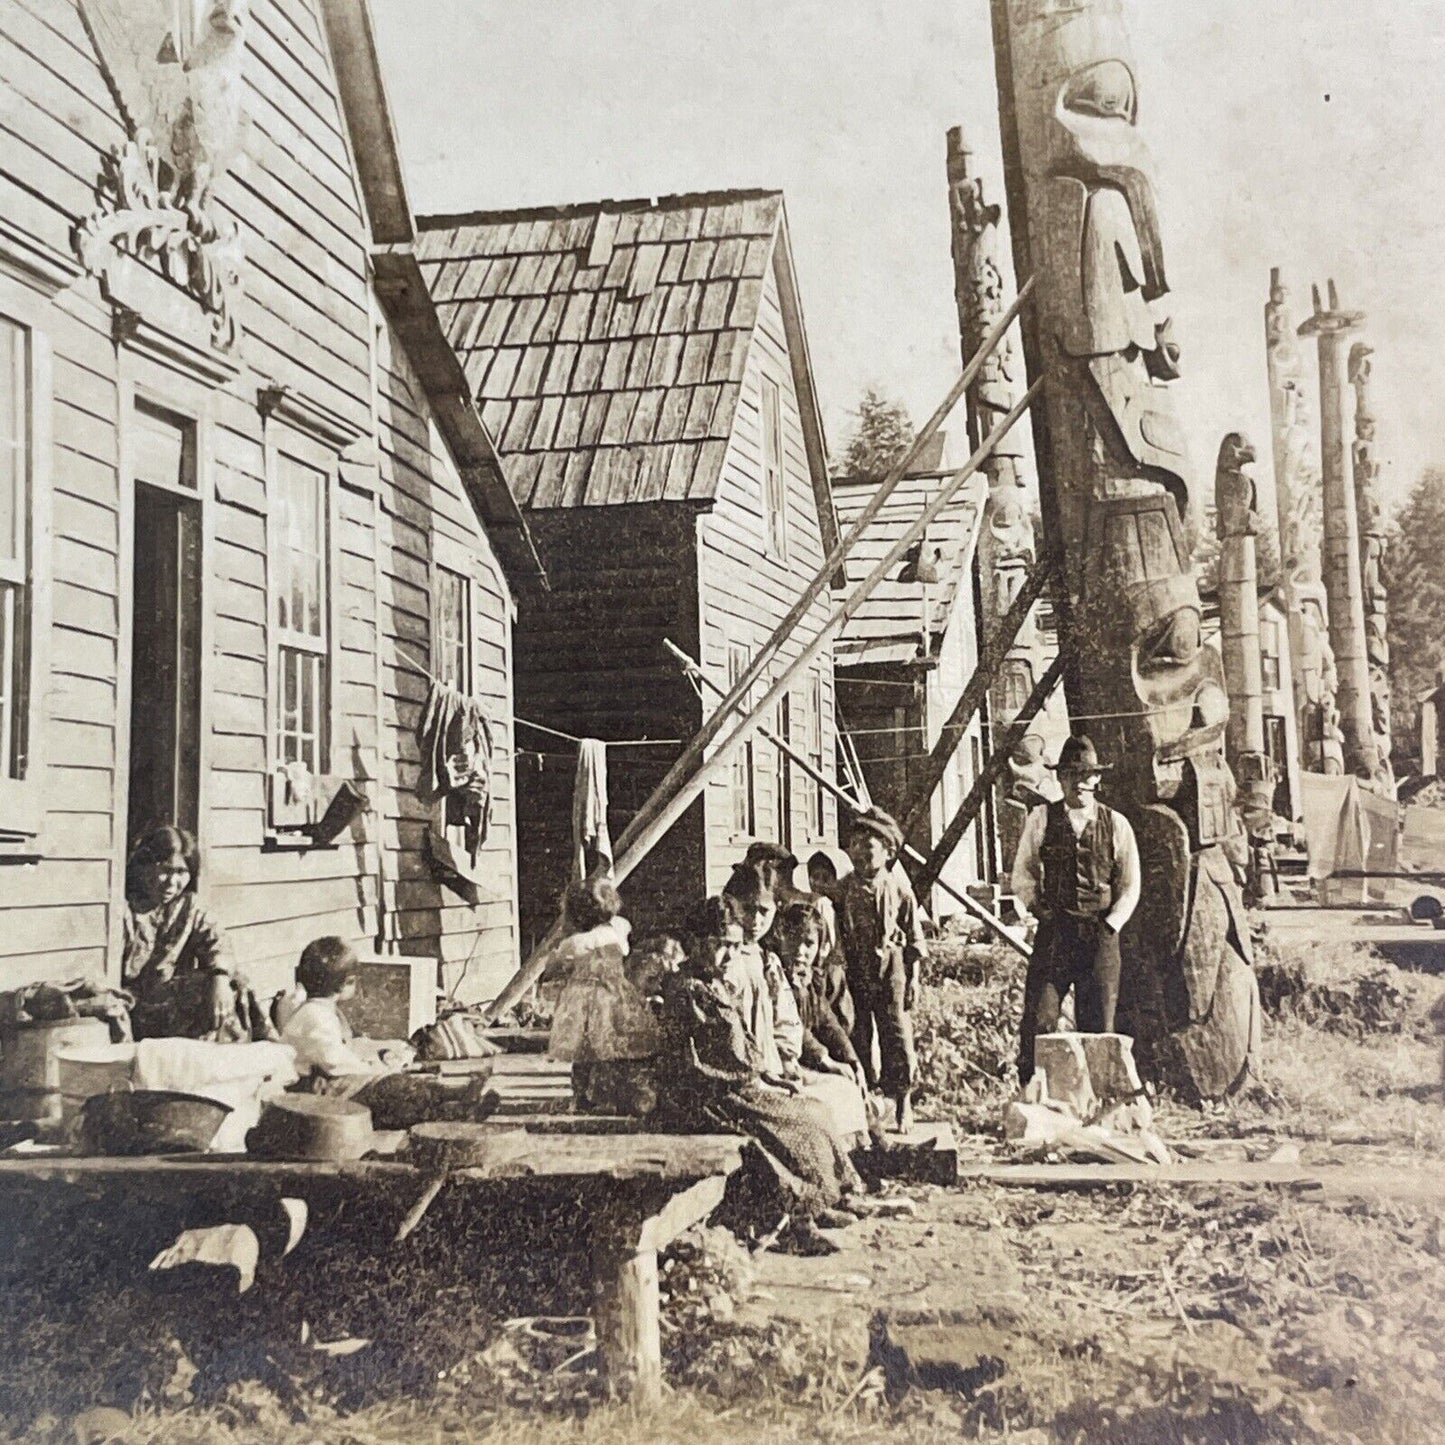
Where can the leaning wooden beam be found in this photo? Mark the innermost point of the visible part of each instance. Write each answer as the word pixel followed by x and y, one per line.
pixel 991 921
pixel 992 770
pixel 660 812
pixel 974 693
pixel 692 755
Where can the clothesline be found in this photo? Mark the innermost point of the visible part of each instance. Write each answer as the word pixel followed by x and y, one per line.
pixel 417 666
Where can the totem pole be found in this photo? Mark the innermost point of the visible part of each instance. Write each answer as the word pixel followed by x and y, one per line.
pixel 1371 521
pixel 1115 491
pixel 1237 520
pixel 1299 506
pixel 1343 582
pixel 1006 544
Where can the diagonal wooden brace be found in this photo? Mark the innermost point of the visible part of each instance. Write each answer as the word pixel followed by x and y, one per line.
pixel 975 691
pixel 992 770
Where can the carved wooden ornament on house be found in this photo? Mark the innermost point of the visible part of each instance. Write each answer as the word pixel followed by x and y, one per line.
pixel 1115 486
pixel 182 101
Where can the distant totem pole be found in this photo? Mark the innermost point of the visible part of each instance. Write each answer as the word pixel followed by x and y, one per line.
pixel 1331 326
pixel 1237 520
pixel 1371 523
pixel 1114 486
pixel 1299 506
pixel 1006 544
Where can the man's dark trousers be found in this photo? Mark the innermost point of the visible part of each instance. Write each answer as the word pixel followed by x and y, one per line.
pixel 1075 952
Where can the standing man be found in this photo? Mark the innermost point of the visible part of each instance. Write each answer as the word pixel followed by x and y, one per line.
pixel 1077 872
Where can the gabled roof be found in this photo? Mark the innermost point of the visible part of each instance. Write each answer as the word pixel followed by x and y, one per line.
pixel 607 342
pixel 352 40
pixel 888 626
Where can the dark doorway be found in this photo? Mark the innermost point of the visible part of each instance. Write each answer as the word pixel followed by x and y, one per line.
pixel 165 653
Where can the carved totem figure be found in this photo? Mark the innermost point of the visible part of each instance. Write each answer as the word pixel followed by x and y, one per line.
pixel 1371 522
pixel 1114 483
pixel 1299 506
pixel 182 94
pixel 1006 544
pixel 1330 325
pixel 1237 522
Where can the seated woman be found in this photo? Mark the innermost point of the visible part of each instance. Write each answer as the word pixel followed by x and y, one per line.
pixel 713 1076
pixel 172 960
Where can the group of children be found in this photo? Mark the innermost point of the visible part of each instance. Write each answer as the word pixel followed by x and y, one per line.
pixel 761 1015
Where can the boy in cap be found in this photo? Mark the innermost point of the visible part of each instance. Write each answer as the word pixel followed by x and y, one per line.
pixel 1077 872
pixel 882 937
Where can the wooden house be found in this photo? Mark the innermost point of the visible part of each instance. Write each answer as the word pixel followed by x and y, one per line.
pixel 904 657
pixel 246 508
pixel 644 368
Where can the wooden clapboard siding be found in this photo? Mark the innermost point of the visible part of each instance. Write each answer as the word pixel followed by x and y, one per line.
pixel 424 512
pixel 307 325
pixel 590 661
pixel 747 591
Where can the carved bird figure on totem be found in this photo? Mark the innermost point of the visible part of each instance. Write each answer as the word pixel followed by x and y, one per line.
pixel 181 93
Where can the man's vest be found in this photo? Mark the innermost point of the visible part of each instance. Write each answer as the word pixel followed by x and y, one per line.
pixel 1079 873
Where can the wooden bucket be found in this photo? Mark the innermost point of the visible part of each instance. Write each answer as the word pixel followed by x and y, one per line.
pixel 30 1067
pixel 97 1069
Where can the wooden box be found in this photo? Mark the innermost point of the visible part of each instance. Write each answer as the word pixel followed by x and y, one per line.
pixel 395 996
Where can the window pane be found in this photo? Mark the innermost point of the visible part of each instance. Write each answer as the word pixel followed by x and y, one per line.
pixel 301 548
pixel 453 632
pixel 774 484
pixel 8 680
pixel 14 441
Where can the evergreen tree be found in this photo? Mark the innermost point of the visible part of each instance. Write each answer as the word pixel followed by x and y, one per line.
pixel 883 434
pixel 1415 574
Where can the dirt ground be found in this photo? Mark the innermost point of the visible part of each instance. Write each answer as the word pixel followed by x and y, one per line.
pixel 1138 1313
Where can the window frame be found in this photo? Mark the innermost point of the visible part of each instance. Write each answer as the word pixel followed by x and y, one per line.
pixel 285 442
pixel 772 454
pixel 452 560
pixel 22 799
pixel 743 780
pixel 815 807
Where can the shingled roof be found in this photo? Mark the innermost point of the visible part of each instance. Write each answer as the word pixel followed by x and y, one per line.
pixel 887 627
pixel 607 342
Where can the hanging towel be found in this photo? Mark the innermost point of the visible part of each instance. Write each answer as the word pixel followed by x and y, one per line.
pixel 592 847
pixel 455 740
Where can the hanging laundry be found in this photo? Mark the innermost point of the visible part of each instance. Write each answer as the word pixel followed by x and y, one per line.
pixel 591 845
pixel 455 740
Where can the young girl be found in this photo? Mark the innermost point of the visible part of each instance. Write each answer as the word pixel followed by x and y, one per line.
pixel 172 959
pixel 826 870
pixel 752 903
pixel 602 1025
pixel 828 1066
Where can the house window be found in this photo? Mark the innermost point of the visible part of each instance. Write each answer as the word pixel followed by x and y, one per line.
pixel 15 469
pixel 744 794
pixel 300 614
pixel 775 484
pixel 453 660
pixel 812 790
pixel 1269 655
pixel 783 793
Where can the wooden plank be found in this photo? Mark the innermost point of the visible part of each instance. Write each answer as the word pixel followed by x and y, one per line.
pixel 956 728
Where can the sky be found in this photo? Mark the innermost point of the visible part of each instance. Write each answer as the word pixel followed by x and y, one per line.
pixel 1303 134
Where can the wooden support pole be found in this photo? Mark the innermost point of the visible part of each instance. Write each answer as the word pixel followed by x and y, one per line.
pixel 626 1308
pixel 944 849
pixel 632 852
pixel 675 793
pixel 991 921
pixel 975 693
pixel 692 755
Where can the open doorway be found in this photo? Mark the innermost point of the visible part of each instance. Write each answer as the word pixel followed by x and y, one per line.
pixel 165 649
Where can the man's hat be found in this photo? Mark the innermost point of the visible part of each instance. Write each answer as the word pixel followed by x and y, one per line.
pixel 1079 756
pixel 881 825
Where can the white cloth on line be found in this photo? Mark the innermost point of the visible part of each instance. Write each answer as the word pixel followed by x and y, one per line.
pixel 589 808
